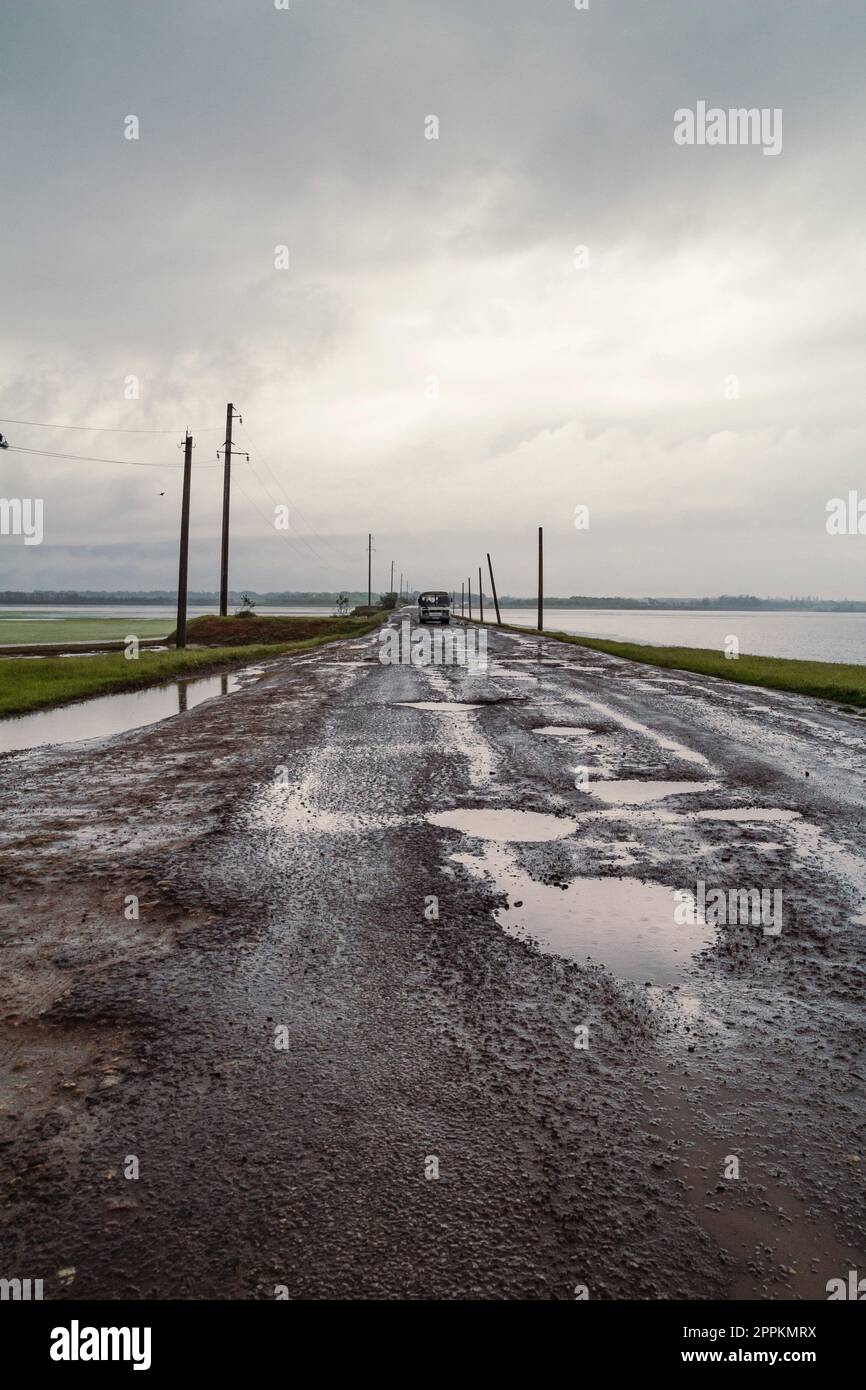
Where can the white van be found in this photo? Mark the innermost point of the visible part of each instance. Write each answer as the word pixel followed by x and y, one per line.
pixel 434 606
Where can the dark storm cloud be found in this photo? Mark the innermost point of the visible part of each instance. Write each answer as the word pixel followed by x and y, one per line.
pixel 432 316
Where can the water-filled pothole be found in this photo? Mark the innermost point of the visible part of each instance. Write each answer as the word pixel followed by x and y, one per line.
pixel 564 730
pixel 440 706
pixel 624 792
pixel 624 924
pixel 773 814
pixel 524 826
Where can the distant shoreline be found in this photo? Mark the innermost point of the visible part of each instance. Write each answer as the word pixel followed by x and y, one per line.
pixel 728 603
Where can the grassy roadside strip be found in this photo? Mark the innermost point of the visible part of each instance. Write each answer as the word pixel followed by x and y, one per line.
pixel 824 679
pixel 45 682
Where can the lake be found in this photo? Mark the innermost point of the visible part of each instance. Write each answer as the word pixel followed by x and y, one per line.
pixel 803 635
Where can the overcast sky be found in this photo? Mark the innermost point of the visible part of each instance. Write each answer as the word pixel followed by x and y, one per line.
pixel 435 365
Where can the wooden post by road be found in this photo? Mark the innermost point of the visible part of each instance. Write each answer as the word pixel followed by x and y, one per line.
pixel 183 567
pixel 540 579
pixel 493 587
pixel 480 596
pixel 469 592
pixel 462 597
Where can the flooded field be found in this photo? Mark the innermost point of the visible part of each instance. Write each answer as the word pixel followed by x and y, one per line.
pixel 805 636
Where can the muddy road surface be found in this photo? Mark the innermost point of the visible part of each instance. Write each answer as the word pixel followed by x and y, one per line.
pixel 381 981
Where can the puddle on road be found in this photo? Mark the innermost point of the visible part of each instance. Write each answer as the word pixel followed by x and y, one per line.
pixel 564 730
pixel 637 793
pixel 774 815
pixel 113 714
pixel 441 706
pixel 528 827
pixel 624 924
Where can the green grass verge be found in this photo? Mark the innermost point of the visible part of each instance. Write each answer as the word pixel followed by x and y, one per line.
pixel 14 633
pixel 827 680
pixel 27 685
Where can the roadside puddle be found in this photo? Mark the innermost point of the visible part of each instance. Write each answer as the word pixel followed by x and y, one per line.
pixel 771 814
pixel 114 714
pixel 624 924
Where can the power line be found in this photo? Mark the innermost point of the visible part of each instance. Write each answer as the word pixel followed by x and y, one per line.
pixel 105 429
pixel 322 564
pixel 325 561
pixel 337 556
pixel 89 458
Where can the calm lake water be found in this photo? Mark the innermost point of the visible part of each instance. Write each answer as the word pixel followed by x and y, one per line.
pixel 805 636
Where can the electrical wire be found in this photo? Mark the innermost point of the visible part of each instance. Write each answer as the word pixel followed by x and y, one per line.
pixel 338 557
pixel 89 458
pixel 107 429
pixel 253 503
pixel 322 559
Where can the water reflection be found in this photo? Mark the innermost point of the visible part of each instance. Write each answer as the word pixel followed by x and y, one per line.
pixel 113 714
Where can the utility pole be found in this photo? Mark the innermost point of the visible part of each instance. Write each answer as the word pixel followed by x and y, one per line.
pixel 462 597
pixel 391 590
pixel 369 571
pixel 540 579
pixel 401 588
pixel 227 483
pixel 180 635
pixel 493 587
pixel 480 596
pixel 469 592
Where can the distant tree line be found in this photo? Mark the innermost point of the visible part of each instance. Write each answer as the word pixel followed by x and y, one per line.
pixel 724 601
pixel 743 602
pixel 163 596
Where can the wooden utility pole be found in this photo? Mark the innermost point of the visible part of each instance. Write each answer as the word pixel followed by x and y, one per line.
pixel 540 579
pixel 180 635
pixel 480 596
pixel 391 590
pixel 401 588
pixel 227 483
pixel 493 587
pixel 369 571
pixel 469 592
pixel 462 597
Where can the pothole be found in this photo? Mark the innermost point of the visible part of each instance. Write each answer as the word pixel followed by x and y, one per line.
pixel 524 826
pixel 564 730
pixel 774 814
pixel 636 793
pixel 625 924
pixel 442 706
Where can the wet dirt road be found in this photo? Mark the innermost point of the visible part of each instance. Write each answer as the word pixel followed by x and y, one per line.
pixel 374 1035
